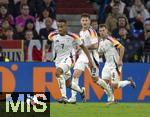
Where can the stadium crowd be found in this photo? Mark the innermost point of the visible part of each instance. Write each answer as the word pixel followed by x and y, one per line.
pixel 128 21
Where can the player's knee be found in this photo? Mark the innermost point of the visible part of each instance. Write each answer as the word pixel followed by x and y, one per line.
pixel 68 83
pixel 107 81
pixel 59 72
pixel 77 73
pixel 114 85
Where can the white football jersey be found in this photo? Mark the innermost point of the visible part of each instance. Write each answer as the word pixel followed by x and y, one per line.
pixel 88 38
pixel 109 47
pixel 63 46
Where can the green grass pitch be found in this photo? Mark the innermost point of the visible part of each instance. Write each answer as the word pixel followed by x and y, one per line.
pixel 100 110
pixel 88 109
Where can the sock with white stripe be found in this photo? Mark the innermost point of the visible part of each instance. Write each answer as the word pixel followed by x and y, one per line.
pixel 75 86
pixel 75 81
pixel 62 85
pixel 124 83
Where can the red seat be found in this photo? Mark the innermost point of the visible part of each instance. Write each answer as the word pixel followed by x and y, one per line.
pixel 73 7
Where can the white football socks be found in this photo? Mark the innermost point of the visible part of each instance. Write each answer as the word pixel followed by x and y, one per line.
pixel 104 85
pixel 74 81
pixel 75 86
pixel 62 85
pixel 123 83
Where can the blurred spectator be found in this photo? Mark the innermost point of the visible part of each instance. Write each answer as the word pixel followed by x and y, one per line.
pixel 19 34
pixel 4 2
pixel 111 20
pixel 122 7
pixel 94 24
pixel 50 5
pixel 21 19
pixel 107 6
pixel 40 22
pixel 124 38
pixel 134 49
pixel 138 12
pixel 30 25
pixel 10 5
pixel 147 28
pixel 133 46
pixel 147 42
pixel 44 32
pixel 148 6
pixel 28 35
pixel 123 35
pixel 4 15
pixel 146 49
pixel 96 3
pixel 9 34
pixel 30 3
pixel 144 35
pixel 121 23
pixel 5 25
pixel 1 33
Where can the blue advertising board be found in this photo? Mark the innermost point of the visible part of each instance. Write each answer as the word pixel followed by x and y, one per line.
pixel 38 76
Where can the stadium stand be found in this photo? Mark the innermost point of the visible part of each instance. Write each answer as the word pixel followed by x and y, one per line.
pixel 12 27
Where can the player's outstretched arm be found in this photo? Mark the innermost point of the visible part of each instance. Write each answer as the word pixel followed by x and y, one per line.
pixel 121 48
pixel 121 53
pixel 92 46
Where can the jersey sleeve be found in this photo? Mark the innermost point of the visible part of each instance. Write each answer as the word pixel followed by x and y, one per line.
pixel 115 43
pixel 93 36
pixel 76 39
pixel 51 36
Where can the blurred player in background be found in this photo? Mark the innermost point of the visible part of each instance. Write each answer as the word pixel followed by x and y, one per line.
pixel 113 52
pixel 90 39
pixel 63 43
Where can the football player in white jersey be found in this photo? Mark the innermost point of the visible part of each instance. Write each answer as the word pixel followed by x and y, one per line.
pixel 113 52
pixel 63 42
pixel 90 39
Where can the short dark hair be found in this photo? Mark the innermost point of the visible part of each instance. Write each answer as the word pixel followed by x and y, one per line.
pixel 116 1
pixel 85 15
pixel 4 5
pixel 115 4
pixel 122 17
pixel 102 26
pixel 62 20
pixel 28 31
pixel 22 5
pixel 93 20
